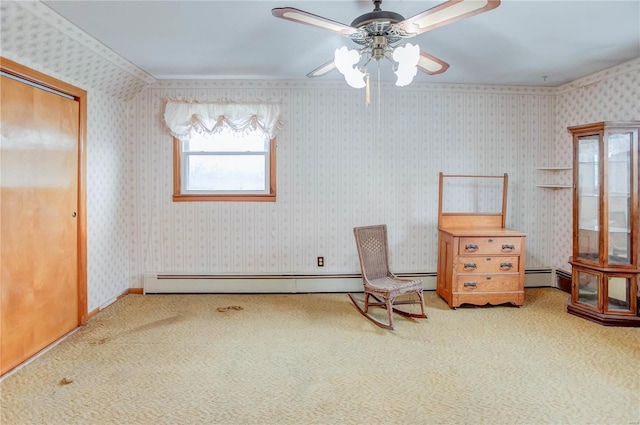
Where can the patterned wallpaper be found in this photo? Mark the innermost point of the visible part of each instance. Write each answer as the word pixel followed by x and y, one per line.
pixel 342 164
pixel 108 193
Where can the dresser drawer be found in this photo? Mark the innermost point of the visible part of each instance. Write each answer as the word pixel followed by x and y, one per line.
pixel 488 245
pixel 488 282
pixel 477 264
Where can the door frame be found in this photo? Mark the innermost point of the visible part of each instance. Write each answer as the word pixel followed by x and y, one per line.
pixel 14 68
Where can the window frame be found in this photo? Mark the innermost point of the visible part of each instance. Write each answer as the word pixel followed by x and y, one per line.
pixel 178 196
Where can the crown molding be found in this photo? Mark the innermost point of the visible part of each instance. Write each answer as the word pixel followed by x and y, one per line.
pixel 137 78
pixel 341 85
pixel 593 79
pixel 44 13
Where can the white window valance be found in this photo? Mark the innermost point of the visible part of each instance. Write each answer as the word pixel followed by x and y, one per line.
pixel 187 117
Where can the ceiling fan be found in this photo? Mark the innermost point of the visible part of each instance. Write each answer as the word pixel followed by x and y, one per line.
pixel 379 31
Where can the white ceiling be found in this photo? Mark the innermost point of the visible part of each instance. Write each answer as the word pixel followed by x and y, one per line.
pixel 522 42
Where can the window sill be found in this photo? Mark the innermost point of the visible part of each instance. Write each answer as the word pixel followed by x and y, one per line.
pixel 224 198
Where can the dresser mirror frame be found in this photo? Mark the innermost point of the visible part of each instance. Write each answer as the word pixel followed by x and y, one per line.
pixel 466 219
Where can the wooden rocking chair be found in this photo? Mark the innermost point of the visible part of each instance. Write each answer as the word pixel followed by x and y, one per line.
pixel 379 282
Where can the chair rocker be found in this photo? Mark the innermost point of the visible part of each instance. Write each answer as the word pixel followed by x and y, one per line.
pixel 379 283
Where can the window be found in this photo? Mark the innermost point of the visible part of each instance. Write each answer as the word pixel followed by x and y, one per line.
pixel 225 166
pixel 223 151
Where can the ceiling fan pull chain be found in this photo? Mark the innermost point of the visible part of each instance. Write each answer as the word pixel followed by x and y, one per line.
pixel 379 103
pixel 367 93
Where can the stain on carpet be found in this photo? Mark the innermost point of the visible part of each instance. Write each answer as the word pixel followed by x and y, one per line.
pixel 230 307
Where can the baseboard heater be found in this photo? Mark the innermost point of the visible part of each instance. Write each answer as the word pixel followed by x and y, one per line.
pixel 165 283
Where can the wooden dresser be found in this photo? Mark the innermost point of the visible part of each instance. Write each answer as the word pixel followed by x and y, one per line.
pixel 479 260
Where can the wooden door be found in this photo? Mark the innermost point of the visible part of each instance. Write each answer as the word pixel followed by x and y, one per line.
pixel 39 207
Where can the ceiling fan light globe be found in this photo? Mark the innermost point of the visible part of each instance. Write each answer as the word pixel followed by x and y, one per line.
pixel 407 55
pixel 345 59
pixel 355 79
pixel 405 75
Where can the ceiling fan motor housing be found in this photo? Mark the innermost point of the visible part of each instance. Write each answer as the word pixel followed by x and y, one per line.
pixel 379 23
pixel 382 17
pixel 379 45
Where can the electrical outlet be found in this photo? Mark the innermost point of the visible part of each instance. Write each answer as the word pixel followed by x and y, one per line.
pixel 320 261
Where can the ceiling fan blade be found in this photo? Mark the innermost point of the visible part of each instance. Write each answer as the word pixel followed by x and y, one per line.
pixel 300 16
pixel 431 65
pixel 445 13
pixel 322 69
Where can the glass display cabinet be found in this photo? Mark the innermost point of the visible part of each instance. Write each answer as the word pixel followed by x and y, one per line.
pixel 605 274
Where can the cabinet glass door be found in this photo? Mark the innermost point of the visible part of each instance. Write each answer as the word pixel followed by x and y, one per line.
pixel 588 198
pixel 619 147
pixel 618 294
pixel 588 288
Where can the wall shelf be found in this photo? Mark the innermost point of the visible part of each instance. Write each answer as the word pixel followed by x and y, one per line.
pixel 554 168
pixel 555 185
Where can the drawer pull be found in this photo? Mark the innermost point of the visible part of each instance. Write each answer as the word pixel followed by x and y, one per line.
pixel 470 266
pixel 506 266
pixel 471 285
pixel 508 247
pixel 470 247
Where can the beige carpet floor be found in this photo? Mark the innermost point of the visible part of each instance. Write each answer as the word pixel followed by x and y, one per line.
pixel 313 359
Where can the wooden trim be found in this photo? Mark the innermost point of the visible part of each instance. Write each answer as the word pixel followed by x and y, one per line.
pixel 475 176
pixel 22 71
pixel 603 216
pixel 470 221
pixel 182 197
pixel 223 198
pixel 177 167
pixel 80 96
pixel 575 235
pixel 505 187
pixel 635 189
pixel 93 313
pixel 603 318
pixel 455 214
pixel 123 294
pixel 272 168
pixel 440 188
pixel 583 130
pixel 596 127
pixel 618 268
